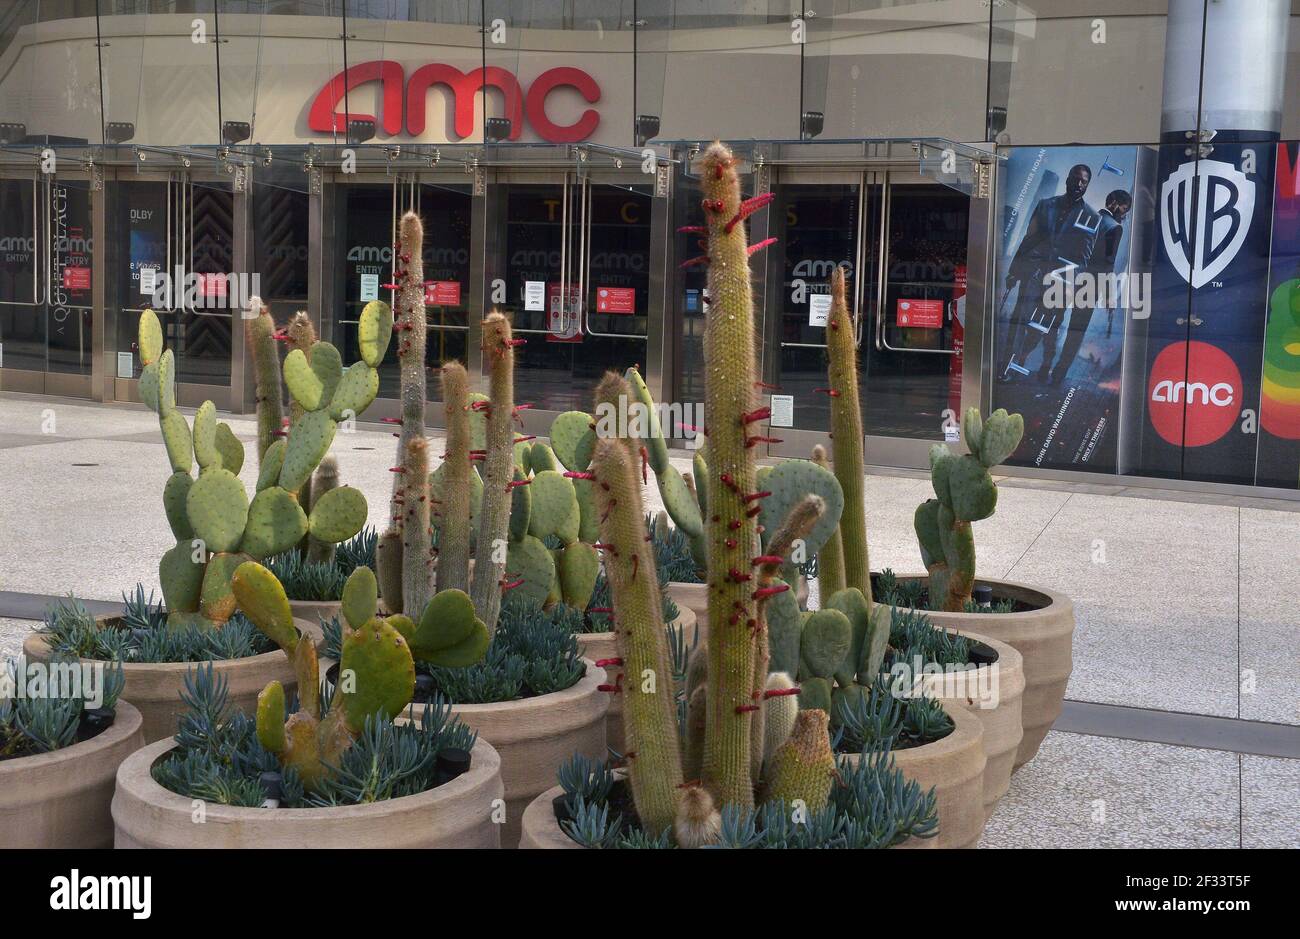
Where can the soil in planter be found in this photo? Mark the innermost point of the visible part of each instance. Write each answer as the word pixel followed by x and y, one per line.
pixel 917 594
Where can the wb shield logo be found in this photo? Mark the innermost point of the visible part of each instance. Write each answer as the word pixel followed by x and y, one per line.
pixel 1205 226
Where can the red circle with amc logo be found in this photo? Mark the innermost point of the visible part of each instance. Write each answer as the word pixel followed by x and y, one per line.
pixel 1200 380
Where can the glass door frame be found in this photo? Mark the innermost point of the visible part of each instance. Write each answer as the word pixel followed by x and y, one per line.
pixel 71 167
pixel 182 170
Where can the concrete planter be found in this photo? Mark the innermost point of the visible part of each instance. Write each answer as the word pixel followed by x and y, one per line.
pixel 954 766
pixel 62 799
pixel 457 814
pixel 1000 717
pixel 1044 638
pixel 155 687
pixel 693 597
pixel 599 646
pixel 535 736
pixel 311 612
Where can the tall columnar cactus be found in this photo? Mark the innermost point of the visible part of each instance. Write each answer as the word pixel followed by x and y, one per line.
pixel 216 527
pixel 732 409
pixel 376 667
pixel 498 467
pixel 965 493
pixel 846 437
pixel 409 505
pixel 266 370
pixel 830 560
pixel 682 505
pixel 654 762
pixel 453 507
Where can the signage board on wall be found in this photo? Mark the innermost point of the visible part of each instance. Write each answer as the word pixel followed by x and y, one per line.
pixel 819 309
pixel 615 300
pixel 563 318
pixel 1060 290
pixel 442 293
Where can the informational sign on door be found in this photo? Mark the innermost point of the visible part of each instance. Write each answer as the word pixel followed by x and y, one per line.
pixel 369 287
pixel 76 278
pixel 819 309
pixel 442 293
pixel 615 300
pixel 563 321
pixel 919 314
pixel 782 411
pixel 126 365
pixel 535 295
pixel 148 279
pixel 212 285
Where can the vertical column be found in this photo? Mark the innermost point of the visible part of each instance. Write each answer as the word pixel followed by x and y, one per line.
pixel 243 259
pixel 103 341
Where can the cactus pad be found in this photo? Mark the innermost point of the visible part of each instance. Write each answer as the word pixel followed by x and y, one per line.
pixel 376 673
pixel 789 483
pixel 148 386
pixel 176 437
pixel 268 472
pixel 181 578
pixel 784 630
pixel 477 421
pixel 270 717
pixel 356 391
pixel 304 384
pixel 218 509
pixel 648 421
pixel 576 571
pixel 205 436
pixel 854 606
pixel 217 601
pixel 541 458
pixel 1000 436
pixel 327 364
pixel 974 494
pixel 262 599
pixel 815 694
pixel 374 331
pixel 149 337
pixel 529 561
pixel 166 382
pixel 308 442
pixel 573 439
pixel 231 450
pixel 521 507
pixel 554 506
pixel 827 639
pixel 338 514
pixel 276 522
pixel 588 517
pixel 972 426
pixel 449 633
pixel 175 492
pixel 360 597
pixel 681 504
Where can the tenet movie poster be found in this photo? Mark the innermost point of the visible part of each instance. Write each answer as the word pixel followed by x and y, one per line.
pixel 1063 292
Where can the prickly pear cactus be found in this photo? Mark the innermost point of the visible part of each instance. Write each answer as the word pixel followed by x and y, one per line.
pixel 212 518
pixel 965 493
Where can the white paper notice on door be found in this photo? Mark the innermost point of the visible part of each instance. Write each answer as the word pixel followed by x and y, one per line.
pixel 819 309
pixel 782 411
pixel 369 287
pixel 535 295
pixel 148 279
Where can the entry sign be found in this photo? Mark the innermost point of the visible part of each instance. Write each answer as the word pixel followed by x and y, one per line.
pixel 442 293
pixel 925 314
pixel 615 300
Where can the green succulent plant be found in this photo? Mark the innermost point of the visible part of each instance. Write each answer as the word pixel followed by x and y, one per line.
pixel 216 526
pixel 965 493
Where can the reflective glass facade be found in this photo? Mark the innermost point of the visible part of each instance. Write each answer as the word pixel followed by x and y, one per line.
pixel 1083 211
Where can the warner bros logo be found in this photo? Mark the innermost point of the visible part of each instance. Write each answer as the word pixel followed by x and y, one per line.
pixel 1205 225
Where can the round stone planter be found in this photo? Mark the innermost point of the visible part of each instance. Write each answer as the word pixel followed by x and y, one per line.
pixel 954 766
pixel 311 612
pixel 998 707
pixel 693 597
pixel 155 687
pixel 600 646
pixel 457 814
pixel 535 736
pixel 62 799
pixel 1043 635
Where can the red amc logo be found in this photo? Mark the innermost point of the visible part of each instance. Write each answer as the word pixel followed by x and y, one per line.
pixel 1194 393
pixel 404 100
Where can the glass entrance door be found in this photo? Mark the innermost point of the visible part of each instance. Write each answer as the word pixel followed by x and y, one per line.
pixel 368 217
pixel 569 260
pixel 912 363
pixel 46 248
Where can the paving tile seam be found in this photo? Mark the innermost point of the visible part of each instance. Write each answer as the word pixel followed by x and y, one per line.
pixel 1048 524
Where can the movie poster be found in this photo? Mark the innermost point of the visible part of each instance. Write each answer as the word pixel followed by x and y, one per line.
pixel 1063 294
pixel 1279 407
